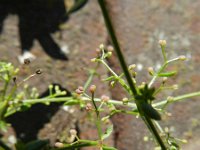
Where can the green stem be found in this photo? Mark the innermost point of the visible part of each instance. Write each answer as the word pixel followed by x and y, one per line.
pixel 4 90
pixel 156 75
pixel 154 132
pixel 124 66
pixel 160 70
pixel 163 53
pixel 79 144
pixel 116 46
pixel 120 80
pixel 178 98
pixel 114 102
pixel 98 121
pixel 92 72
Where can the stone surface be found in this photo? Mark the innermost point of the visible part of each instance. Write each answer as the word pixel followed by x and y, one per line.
pixel 139 25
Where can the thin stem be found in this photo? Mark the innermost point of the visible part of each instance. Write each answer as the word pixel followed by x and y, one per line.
pixel 89 80
pixel 116 46
pixel 98 121
pixel 163 53
pixel 115 102
pixel 161 69
pixel 4 90
pixel 154 132
pixel 124 67
pixel 156 75
pixel 79 144
pixel 178 98
pixel 120 80
pixel 158 126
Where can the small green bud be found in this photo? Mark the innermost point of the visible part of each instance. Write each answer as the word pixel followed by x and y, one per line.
pixel 142 85
pixel 182 57
pixel 162 43
pixel 133 73
pixel 101 46
pixel 59 145
pixel 112 83
pixel 146 138
pixel 164 79
pixel 125 100
pixel 166 129
pixel 157 148
pixel 94 60
pixel 184 141
pixel 170 98
pixel 63 93
pixel 175 86
pixel 50 86
pixel 109 54
pixel 151 71
pixel 131 67
pixel 105 119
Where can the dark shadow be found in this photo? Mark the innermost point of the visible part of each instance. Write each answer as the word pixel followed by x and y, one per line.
pixel 28 123
pixel 37 20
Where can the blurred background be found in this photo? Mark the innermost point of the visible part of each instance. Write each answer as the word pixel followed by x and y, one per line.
pixel 75 36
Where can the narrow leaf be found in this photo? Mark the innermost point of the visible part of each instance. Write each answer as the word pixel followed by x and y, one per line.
pixel 167 74
pixel 109 78
pixel 108 132
pixel 108 148
pixel 71 102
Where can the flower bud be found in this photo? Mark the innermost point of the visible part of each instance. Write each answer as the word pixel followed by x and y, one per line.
pixel 125 100
pixel 184 141
pixel 131 67
pixel 59 145
pixel 81 88
pixel 105 119
pixel 104 98
pixel 101 46
pixel 73 132
pixel 110 48
pixel 182 57
pixel 164 79
pixel 162 43
pixel 109 54
pixel 151 71
pixel 175 86
pixel 112 83
pixel 170 98
pixel 146 138
pixel 93 60
pixel 133 73
pixel 88 107
pixel 92 88
pixel 79 92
